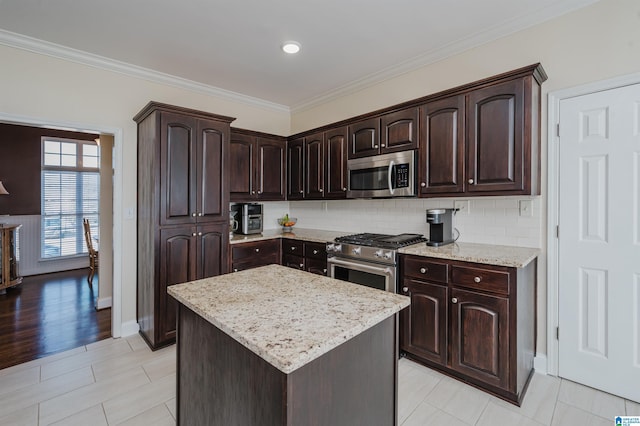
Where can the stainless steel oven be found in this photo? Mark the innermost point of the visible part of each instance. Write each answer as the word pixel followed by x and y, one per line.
pixel 368 259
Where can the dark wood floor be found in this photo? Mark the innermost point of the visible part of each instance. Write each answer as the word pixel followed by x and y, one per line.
pixel 48 314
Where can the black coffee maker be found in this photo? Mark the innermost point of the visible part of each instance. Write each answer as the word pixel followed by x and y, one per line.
pixel 440 226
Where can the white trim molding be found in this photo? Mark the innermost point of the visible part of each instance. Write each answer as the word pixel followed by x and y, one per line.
pixel 553 156
pixel 42 47
pixel 103 303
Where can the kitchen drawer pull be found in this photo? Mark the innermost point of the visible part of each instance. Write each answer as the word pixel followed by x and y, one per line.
pixel 325 271
pixel 235 269
pixel 301 265
pixel 344 189
pixel 454 300
pixel 301 191
pixel 477 279
pixel 257 250
pixel 405 289
pixel 424 270
pixel 315 251
pixel 293 248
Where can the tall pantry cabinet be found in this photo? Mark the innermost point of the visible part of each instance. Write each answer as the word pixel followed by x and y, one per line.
pixel 183 208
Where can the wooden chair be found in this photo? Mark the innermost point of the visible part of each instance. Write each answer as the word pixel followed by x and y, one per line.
pixel 93 253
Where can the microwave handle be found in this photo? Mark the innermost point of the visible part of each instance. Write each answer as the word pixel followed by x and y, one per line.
pixel 390 176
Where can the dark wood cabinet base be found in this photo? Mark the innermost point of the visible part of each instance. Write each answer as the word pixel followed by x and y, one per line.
pixel 221 382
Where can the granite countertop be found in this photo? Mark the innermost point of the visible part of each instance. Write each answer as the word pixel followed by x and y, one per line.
pixel 314 235
pixel 489 254
pixel 287 317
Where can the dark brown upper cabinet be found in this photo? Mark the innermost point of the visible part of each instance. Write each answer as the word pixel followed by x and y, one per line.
pixel 192 163
pixel 258 166
pixel 442 151
pixel 399 131
pixel 314 166
pixel 498 152
pixel 295 169
pixel 335 162
pixel 396 131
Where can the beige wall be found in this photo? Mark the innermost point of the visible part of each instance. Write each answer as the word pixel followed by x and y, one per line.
pixel 36 86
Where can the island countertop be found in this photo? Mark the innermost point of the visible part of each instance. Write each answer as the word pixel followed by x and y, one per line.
pixel 285 316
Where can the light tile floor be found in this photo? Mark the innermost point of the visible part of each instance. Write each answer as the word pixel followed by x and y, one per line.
pixel 122 382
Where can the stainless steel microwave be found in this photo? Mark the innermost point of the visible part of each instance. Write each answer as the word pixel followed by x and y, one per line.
pixel 382 176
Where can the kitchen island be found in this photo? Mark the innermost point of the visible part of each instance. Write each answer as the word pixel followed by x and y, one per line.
pixel 278 346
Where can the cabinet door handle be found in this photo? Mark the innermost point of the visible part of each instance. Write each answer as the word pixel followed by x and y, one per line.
pixel 193 214
pixel 423 184
pixel 193 235
pixel 301 265
pixel 293 248
pixel 344 189
pixel 423 270
pixel 257 250
pixel 199 214
pixel 454 300
pixel 382 145
pixel 477 279
pixel 199 234
pixel 259 192
pixel 470 181
pixel 301 191
pixel 315 252
pixel 375 146
pixel 253 192
pixel 405 289
pixel 235 269
pixel 324 271
pixel 321 190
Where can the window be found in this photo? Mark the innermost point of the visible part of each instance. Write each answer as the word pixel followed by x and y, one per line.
pixel 70 193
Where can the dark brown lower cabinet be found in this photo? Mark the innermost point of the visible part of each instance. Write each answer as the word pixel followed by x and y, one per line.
pixel 254 254
pixel 187 253
pixel 472 321
pixel 305 255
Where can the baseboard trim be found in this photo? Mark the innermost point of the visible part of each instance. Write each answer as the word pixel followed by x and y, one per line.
pixel 129 328
pixel 540 364
pixel 103 303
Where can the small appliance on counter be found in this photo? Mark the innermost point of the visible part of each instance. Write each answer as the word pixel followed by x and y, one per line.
pixel 249 217
pixel 441 227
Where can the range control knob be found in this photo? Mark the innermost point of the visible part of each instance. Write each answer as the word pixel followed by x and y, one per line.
pixel 356 250
pixel 331 247
pixel 388 255
pixel 338 248
pixel 378 253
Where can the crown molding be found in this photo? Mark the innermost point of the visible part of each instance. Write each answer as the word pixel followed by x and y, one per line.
pixel 484 37
pixel 42 47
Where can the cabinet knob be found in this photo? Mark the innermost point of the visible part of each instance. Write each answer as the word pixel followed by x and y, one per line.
pixel 315 252
pixel 199 234
pixel 293 248
pixel 324 271
pixel 259 192
pixel 454 300
pixel 301 191
pixel 405 289
pixel 344 189
pixel 253 192
pixel 382 145
pixel 375 146
pixel 199 214
pixel 257 250
pixel 470 181
pixel 423 184
pixel 477 279
pixel 193 235
pixel 193 214
pixel 423 270
pixel 235 269
pixel 321 190
pixel 301 265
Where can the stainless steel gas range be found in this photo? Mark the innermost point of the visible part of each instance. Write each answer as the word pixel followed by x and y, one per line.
pixel 368 259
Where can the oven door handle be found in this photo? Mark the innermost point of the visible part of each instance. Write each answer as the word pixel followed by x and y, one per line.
pixel 360 267
pixel 389 176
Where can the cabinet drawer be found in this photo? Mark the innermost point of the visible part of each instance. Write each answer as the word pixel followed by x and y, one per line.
pixel 316 266
pixel 423 269
pixel 315 251
pixel 293 261
pixel 481 279
pixel 257 261
pixel 246 251
pixel 292 247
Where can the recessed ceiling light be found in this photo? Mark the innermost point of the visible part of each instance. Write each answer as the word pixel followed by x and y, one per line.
pixel 291 47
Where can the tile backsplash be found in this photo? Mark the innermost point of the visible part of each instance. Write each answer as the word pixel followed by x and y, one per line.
pixel 514 221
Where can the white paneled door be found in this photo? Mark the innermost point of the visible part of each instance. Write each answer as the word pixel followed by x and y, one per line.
pixel 599 241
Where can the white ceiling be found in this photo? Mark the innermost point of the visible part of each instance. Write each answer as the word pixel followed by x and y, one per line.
pixel 235 44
